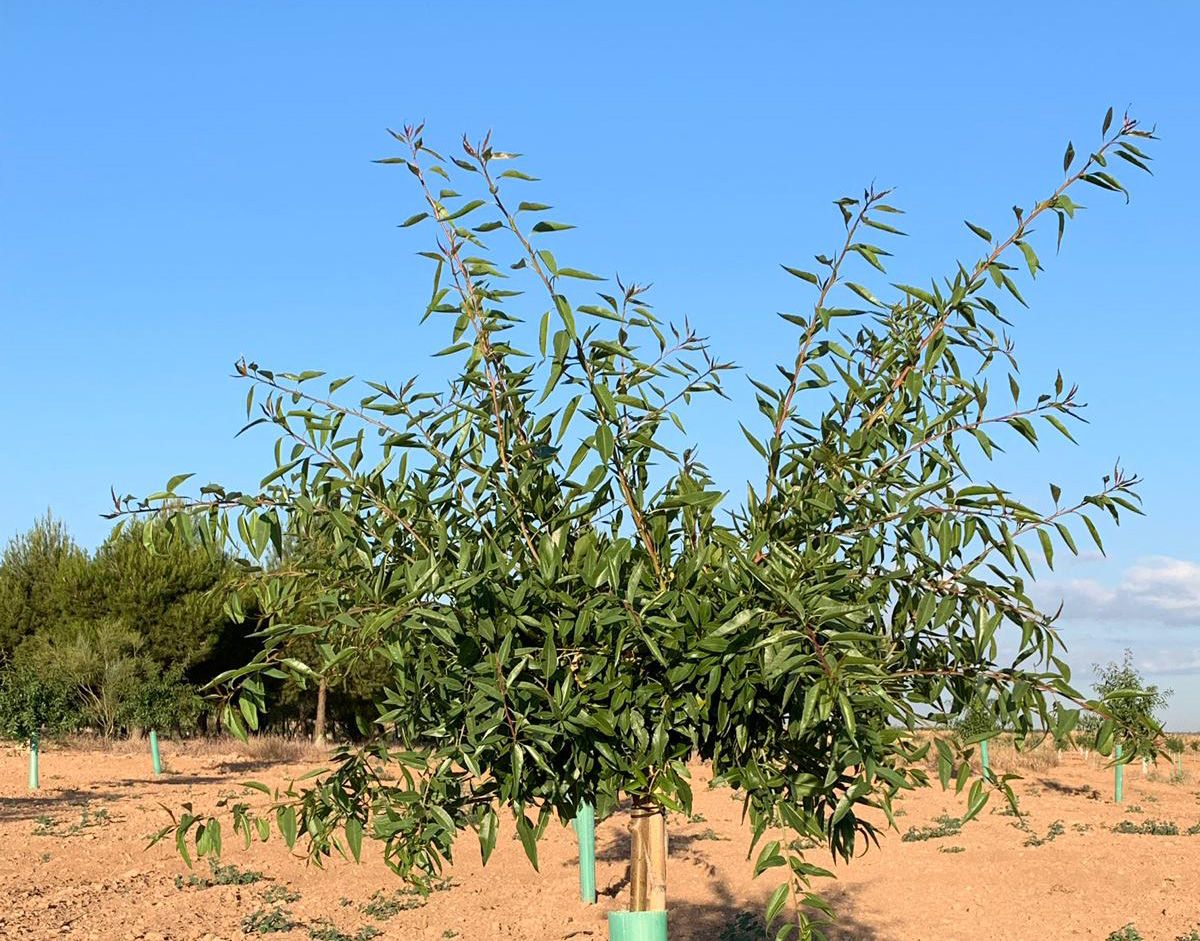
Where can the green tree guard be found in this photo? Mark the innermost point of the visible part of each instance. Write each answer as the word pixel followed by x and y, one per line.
pixel 33 763
pixel 155 759
pixel 585 832
pixel 983 757
pixel 637 926
pixel 1119 786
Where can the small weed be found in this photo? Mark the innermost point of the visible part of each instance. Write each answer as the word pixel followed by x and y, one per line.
pixel 1148 827
pixel 46 856
pixel 697 818
pixel 221 875
pixel 744 926
pixel 231 875
pixel 1055 830
pixel 48 826
pixel 88 818
pixel 1134 809
pixel 952 849
pixel 326 931
pixel 1193 830
pixel 1128 933
pixel 1081 827
pixel 345 902
pixel 942 826
pixel 449 933
pixel 280 893
pixel 381 905
pixel 45 825
pixel 1193 935
pixel 708 833
pixel 1008 811
pixel 267 921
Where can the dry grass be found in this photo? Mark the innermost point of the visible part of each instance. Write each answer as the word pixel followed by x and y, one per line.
pixel 267 749
pixel 1006 758
pixel 1037 754
pixel 261 749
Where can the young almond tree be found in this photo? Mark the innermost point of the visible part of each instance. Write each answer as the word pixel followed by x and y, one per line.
pixel 1134 703
pixel 535 549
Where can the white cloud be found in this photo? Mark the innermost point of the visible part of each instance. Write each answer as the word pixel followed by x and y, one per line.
pixel 1175 663
pixel 1157 589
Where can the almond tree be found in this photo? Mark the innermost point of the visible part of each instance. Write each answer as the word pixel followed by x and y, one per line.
pixel 537 550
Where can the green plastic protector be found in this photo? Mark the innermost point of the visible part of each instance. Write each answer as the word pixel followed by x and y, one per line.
pixel 155 759
pixel 33 764
pixel 1119 783
pixel 637 926
pixel 585 831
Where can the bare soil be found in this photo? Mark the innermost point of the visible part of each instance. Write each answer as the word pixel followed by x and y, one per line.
pixel 74 864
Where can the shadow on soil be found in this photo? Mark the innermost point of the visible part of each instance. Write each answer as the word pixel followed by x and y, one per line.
pixel 1058 787
pixel 51 800
pixel 726 916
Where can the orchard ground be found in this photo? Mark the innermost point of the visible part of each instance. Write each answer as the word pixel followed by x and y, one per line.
pixel 74 863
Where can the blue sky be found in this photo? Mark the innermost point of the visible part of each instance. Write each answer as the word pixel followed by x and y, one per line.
pixel 185 184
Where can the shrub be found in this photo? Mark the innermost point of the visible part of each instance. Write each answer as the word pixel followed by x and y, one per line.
pixel 161 699
pixel 34 706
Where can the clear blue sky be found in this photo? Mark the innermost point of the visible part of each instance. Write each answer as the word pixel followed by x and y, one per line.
pixel 183 184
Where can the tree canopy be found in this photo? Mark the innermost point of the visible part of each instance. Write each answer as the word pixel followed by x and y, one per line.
pixel 570 608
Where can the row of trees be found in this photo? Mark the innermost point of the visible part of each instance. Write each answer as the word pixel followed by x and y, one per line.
pixel 570 609
pixel 122 640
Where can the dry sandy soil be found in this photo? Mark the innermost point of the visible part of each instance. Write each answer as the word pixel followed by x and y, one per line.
pixel 74 864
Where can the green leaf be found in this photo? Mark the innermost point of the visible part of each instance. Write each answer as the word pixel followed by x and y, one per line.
pixel 176 481
pixel 802 275
pixel 775 904
pixel 528 837
pixel 354 835
pixel 488 828
pixel 980 231
pixel 285 817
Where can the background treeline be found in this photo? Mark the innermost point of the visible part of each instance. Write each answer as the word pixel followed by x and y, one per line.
pixel 121 640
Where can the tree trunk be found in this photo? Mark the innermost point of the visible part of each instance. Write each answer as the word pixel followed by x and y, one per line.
pixel 647 858
pixel 319 722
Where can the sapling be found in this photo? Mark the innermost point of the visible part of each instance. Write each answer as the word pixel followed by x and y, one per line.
pixel 32 708
pixel 1174 746
pixel 1134 704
